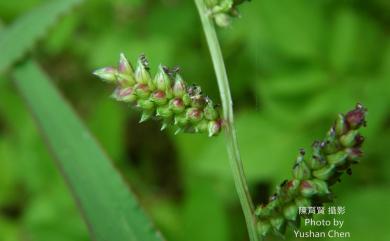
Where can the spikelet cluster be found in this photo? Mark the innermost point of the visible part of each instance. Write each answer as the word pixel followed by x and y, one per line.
pixel 314 174
pixel 223 11
pixel 165 96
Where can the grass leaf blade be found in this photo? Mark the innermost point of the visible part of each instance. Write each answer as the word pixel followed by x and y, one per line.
pixel 110 209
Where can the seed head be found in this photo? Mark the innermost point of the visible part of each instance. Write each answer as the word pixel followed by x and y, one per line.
pixel 165 97
pixel 313 177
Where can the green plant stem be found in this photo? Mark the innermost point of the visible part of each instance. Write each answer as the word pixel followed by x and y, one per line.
pixel 227 108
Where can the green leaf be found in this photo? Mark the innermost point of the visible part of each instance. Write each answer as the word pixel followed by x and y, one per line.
pixel 353 43
pixel 366 209
pixel 202 201
pixel 109 208
pixel 21 35
pixel 111 136
pixel 10 9
pixel 267 150
pixel 298 96
pixel 292 28
pixel 344 39
pixel 52 216
pixel 49 212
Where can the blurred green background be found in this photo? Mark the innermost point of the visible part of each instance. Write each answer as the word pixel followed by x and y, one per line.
pixel 293 65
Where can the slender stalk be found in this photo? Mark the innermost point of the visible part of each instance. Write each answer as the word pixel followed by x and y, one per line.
pixel 227 108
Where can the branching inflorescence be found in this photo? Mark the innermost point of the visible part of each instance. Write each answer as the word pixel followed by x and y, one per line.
pixel 168 98
pixel 165 97
pixel 314 174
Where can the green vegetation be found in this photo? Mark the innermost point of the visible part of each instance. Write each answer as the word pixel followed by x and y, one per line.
pixel 292 66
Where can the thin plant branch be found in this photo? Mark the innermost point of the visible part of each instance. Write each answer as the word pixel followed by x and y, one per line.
pixel 227 109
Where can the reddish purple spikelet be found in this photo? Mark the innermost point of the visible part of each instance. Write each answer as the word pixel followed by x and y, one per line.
pixel 356 117
pixel 159 94
pixel 125 91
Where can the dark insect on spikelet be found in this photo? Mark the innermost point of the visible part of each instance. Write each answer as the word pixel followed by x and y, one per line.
pixel 165 97
pixel 314 174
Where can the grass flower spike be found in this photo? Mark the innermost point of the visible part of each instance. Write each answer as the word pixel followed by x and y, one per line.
pixel 223 11
pixel 314 174
pixel 165 96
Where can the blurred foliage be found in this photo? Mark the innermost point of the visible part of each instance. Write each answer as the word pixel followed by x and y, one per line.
pixel 21 35
pixel 293 65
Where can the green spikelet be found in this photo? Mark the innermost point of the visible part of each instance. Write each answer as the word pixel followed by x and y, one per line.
pixel 165 96
pixel 223 11
pixel 314 175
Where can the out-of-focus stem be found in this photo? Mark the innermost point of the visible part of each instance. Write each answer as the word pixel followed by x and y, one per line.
pixel 227 108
